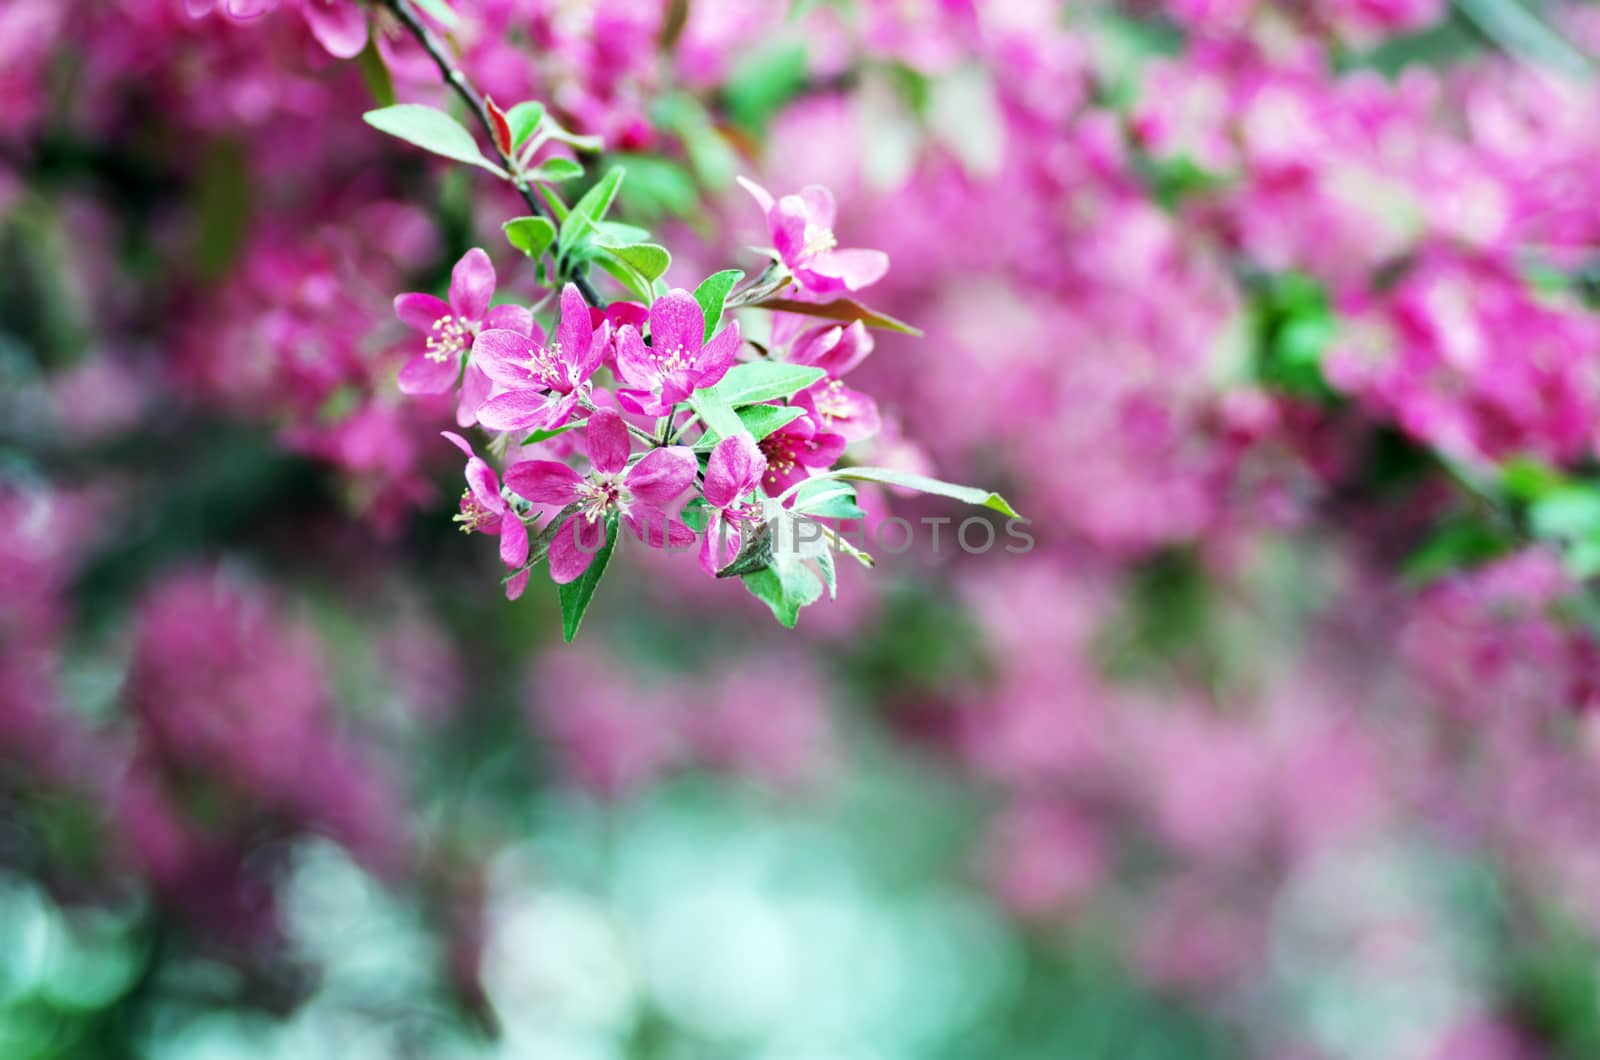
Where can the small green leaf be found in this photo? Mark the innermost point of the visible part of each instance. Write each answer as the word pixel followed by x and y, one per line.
pixel 712 293
pixel 597 200
pixel 575 595
pixel 432 130
pixel 759 420
pixel 524 119
pixel 844 310
pixel 924 484
pixel 650 259
pixel 617 234
pixel 625 274
pixel 556 171
pixel 757 381
pixel 785 593
pixel 824 498
pixel 375 73
pixel 531 235
pixel 1571 512
pixel 714 412
pixel 440 12
pixel 1528 480
pixel 544 436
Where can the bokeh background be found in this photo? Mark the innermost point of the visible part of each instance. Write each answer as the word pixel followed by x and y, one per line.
pixel 1277 319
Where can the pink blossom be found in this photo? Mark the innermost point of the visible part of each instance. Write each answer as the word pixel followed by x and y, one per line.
pixel 733 472
pixel 801 227
pixel 678 361
pixel 452 329
pixel 640 494
pixel 485 511
pixel 543 382
pixel 793 450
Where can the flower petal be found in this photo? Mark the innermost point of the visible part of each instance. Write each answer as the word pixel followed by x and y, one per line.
pixel 485 486
pixel 853 268
pixel 716 357
pixel 820 207
pixel 574 332
pixel 720 544
pixel 677 323
pixel 472 285
pixel 608 442
pixel 475 390
pixel 574 547
pixel 544 482
pixel 662 476
pixel 459 442
pixel 513 539
pixel 658 529
pixel 515 410
pixel 515 586
pixel 339 26
pixel 513 318
pixel 424 375
pixel 420 312
pixel 504 356
pixel 734 468
pixel 634 362
pixel 761 195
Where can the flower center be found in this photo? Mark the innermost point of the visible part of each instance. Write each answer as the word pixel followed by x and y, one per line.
pixel 673 358
pixel 780 458
pixel 449 336
pixel 819 240
pixel 832 404
pixel 474 517
pixel 598 497
pixel 544 365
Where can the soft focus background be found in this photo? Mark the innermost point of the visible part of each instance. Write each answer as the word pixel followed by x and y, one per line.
pixel 1276 318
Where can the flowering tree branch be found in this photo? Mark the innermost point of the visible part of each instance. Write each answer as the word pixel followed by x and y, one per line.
pixel 463 87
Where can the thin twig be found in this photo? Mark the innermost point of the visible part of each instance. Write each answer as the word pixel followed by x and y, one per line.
pixel 457 80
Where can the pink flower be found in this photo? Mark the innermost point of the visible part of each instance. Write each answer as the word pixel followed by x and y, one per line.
pixel 639 494
pixel 543 381
pixel 802 234
pixel 678 361
pixel 339 26
pixel 793 450
pixel 485 511
pixel 451 329
pixel 732 473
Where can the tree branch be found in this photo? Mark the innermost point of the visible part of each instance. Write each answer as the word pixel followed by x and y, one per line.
pixel 453 76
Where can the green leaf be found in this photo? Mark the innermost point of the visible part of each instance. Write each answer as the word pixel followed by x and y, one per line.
pixel 440 12
pixel 1528 480
pixel 714 412
pixel 543 436
pixel 375 73
pixel 924 484
pixel 763 81
pixel 1521 32
pixel 556 171
pixel 617 234
pixel 757 381
pixel 531 235
pixel 786 592
pixel 575 595
pixel 650 259
pixel 657 186
pixel 824 498
pixel 844 310
pixel 712 293
pixel 432 130
pixel 759 420
pixel 1571 511
pixel 1457 545
pixel 524 119
pixel 597 200
pixel 637 286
